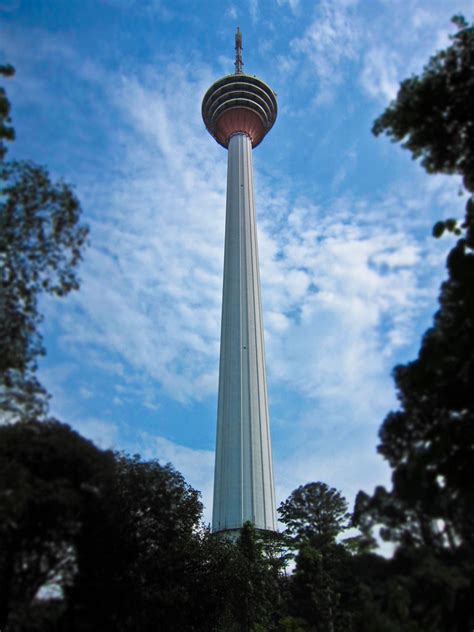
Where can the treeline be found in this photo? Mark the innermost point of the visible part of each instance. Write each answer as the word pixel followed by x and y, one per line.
pixel 92 540
pixel 95 540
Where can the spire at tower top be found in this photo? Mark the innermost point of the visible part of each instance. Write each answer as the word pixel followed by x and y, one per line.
pixel 238 52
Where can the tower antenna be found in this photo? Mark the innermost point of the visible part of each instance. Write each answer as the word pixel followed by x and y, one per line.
pixel 238 53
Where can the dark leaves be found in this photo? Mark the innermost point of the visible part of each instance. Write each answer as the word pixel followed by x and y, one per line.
pixel 41 240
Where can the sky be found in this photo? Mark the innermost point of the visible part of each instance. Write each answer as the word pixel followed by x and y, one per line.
pixel 108 95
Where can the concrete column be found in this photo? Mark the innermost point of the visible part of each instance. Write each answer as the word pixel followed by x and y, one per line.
pixel 243 481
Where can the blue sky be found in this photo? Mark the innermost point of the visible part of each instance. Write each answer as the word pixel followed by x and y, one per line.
pixel 108 94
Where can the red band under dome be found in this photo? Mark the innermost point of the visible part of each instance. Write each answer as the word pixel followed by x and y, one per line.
pixel 239 120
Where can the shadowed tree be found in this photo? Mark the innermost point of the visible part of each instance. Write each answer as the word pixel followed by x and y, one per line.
pixel 50 481
pixel 137 557
pixel 114 537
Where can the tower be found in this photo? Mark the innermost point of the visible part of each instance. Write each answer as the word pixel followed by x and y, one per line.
pixel 238 110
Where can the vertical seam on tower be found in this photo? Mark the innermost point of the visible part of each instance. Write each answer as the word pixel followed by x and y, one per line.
pixel 242 445
pixel 243 141
pixel 220 509
pixel 253 262
pixel 261 378
pixel 248 194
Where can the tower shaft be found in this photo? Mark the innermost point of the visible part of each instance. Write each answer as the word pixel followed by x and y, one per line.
pixel 243 483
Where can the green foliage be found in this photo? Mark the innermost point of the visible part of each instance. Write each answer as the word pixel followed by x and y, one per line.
pixel 41 241
pixel 292 624
pixel 449 225
pixel 254 582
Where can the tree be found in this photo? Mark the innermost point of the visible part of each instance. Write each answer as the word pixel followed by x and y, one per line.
pixel 429 442
pixel 314 512
pixel 257 597
pixel 322 591
pixel 50 481
pixel 41 241
pixel 114 538
pixel 137 556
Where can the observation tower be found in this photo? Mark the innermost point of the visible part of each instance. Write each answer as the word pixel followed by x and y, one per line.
pixel 238 111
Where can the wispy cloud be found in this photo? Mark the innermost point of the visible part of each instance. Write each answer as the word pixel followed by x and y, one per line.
pixel 293 4
pixel 391 44
pixel 254 10
pixel 327 43
pixel 232 12
pixel 340 298
pixel 380 75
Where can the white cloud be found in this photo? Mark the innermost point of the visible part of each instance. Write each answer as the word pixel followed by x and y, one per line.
pixel 293 4
pixel 392 44
pixel 399 43
pixel 330 40
pixel 350 465
pixel 380 73
pixel 152 279
pixel 232 12
pixel 253 10
pixel 340 295
pixel 102 433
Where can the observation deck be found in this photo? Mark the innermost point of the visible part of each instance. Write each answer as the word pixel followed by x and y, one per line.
pixel 239 103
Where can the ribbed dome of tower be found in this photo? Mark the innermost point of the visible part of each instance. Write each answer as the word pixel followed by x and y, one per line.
pixel 239 103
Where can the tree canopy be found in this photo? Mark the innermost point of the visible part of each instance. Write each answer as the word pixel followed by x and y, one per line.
pixel 314 511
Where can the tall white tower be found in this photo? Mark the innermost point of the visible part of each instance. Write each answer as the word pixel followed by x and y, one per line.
pixel 238 110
